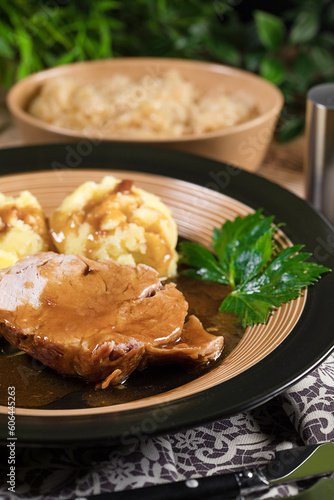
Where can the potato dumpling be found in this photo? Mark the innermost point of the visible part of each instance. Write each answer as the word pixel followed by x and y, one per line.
pixel 116 220
pixel 23 229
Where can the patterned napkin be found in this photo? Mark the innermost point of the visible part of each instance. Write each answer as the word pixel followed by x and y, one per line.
pixel 310 404
pixel 304 414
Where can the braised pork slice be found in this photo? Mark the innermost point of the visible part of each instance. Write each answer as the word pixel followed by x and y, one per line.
pixel 99 320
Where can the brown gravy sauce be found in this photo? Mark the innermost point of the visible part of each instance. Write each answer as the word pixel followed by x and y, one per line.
pixel 29 215
pixel 39 386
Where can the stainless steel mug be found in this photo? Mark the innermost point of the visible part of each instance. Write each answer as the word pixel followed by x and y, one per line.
pixel 319 152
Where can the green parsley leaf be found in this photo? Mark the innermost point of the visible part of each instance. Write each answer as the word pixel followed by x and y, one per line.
pixel 243 246
pixel 280 282
pixel 243 258
pixel 206 264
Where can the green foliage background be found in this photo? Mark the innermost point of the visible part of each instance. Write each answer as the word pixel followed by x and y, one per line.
pixel 294 51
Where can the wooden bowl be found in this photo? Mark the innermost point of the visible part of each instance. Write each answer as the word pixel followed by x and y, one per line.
pixel 242 145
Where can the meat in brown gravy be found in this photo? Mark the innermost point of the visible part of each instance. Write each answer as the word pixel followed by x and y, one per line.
pixel 99 320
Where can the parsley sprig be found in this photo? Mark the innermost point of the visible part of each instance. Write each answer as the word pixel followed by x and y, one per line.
pixel 243 257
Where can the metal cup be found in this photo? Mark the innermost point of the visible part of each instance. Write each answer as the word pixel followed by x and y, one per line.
pixel 319 158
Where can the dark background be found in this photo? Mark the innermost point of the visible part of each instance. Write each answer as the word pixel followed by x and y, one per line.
pixel 246 7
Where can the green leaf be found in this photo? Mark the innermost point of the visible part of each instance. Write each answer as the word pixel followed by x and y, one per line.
pixel 253 60
pixel 199 28
pixel 105 40
pixel 5 49
pixel 244 260
pixel 68 57
pixel 249 308
pixel 305 27
pixel 25 47
pixel 279 283
pixel 301 67
pixel 108 5
pixel 322 59
pixel 270 29
pixel 224 51
pixel 327 38
pixel 273 70
pixel 208 268
pixel 243 246
pixel 291 129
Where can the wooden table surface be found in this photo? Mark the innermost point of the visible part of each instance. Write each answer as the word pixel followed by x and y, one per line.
pixel 283 163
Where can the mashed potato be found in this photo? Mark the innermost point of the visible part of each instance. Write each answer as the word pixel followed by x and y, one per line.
pixel 116 220
pixel 152 107
pixel 23 229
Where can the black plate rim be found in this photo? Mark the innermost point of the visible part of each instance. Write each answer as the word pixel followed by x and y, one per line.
pixel 296 356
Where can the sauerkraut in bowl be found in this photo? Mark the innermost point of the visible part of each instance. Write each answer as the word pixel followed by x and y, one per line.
pixel 149 107
pixel 202 108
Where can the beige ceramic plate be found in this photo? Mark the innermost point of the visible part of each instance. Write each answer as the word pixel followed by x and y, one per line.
pixel 197 210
